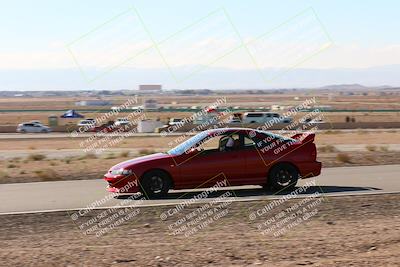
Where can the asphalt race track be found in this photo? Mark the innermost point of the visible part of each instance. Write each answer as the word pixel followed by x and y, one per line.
pixel 73 195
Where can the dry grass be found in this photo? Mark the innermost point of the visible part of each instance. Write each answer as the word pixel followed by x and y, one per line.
pixel 327 149
pixel 361 131
pixel 370 158
pixel 47 175
pixel 88 156
pixel 73 169
pixel 384 148
pixel 343 158
pixel 16 159
pixel 3 174
pixel 124 154
pixel 11 166
pixel 36 157
pixel 68 160
pixel 331 132
pixel 161 143
pixel 110 156
pixel 146 151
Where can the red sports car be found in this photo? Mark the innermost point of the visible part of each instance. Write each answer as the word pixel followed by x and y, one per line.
pixel 242 156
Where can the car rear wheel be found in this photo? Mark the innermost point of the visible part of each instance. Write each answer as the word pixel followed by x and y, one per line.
pixel 155 184
pixel 282 176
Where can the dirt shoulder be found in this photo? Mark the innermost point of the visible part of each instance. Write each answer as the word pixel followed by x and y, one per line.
pixel 344 231
pixel 37 167
pixel 64 159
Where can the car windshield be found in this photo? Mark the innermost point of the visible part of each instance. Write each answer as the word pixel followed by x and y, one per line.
pixel 180 149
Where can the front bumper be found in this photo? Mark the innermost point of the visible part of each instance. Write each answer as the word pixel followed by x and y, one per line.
pixel 121 183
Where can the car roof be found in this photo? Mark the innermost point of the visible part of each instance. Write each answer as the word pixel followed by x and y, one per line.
pixel 242 130
pixel 231 130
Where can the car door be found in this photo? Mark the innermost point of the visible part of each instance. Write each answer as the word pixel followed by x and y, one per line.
pixel 206 167
pixel 256 166
pixel 29 128
pixel 37 128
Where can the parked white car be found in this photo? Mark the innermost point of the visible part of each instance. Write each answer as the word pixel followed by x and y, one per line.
pixel 234 120
pixel 263 117
pixel 121 122
pixel 312 120
pixel 29 127
pixel 87 122
pixel 36 122
pixel 174 121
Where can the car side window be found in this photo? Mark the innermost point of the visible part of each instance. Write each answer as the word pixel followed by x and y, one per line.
pixel 230 142
pixel 209 144
pixel 248 142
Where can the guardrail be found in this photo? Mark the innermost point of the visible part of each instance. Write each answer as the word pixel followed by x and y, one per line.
pixel 61 111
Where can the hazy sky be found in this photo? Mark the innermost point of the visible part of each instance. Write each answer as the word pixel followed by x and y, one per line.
pixel 189 37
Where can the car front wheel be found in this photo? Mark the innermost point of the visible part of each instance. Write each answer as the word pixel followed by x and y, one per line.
pixel 283 176
pixel 155 184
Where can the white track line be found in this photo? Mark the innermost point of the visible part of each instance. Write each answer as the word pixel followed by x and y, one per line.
pixel 207 200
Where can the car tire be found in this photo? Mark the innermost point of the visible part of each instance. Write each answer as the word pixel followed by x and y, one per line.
pixel 283 176
pixel 155 184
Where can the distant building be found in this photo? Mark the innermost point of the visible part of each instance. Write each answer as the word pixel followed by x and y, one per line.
pixel 92 103
pixel 150 88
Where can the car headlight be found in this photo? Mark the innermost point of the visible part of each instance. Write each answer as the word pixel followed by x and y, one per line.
pixel 121 172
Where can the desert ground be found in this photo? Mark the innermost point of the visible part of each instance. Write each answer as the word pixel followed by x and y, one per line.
pixel 14 110
pixel 48 159
pixel 327 238
pixel 52 159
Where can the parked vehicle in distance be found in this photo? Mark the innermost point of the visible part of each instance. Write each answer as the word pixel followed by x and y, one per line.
pixel 36 122
pixel 174 121
pixel 121 122
pixel 29 127
pixel 105 128
pixel 243 156
pixel 87 122
pixel 235 118
pixel 263 117
pixel 312 120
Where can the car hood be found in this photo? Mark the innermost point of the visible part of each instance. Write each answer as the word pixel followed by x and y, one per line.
pixel 138 160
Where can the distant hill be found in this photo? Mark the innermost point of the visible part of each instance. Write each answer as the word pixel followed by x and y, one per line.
pixel 353 87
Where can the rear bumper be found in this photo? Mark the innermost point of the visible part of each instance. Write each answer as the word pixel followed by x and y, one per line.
pixel 310 169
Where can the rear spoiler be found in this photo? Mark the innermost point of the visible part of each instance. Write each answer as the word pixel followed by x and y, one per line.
pixel 304 137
